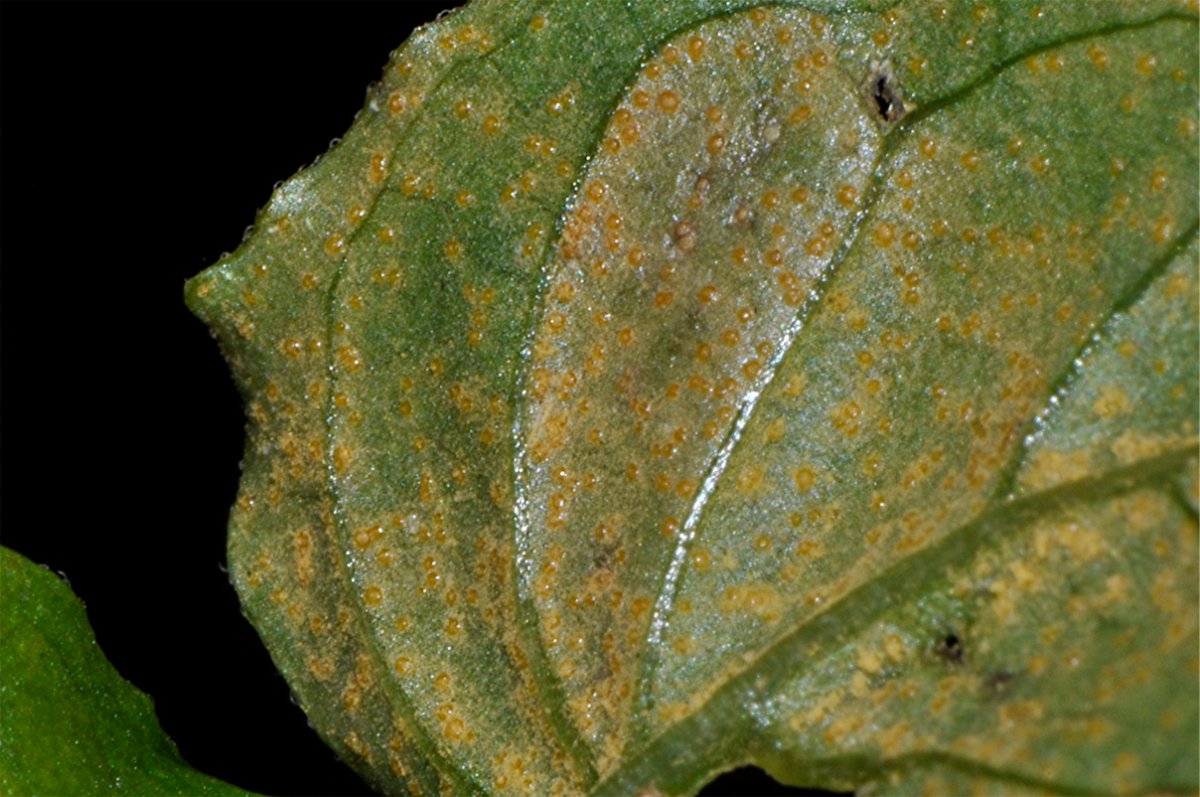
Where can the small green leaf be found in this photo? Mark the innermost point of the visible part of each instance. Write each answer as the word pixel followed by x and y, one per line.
pixel 69 724
pixel 642 390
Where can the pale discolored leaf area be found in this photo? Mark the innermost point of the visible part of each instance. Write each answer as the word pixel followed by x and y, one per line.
pixel 643 390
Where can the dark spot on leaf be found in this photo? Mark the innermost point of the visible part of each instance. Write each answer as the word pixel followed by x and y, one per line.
pixel 885 93
pixel 950 648
pixel 998 681
pixel 603 559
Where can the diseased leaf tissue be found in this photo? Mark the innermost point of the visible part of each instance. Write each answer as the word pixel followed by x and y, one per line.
pixel 640 390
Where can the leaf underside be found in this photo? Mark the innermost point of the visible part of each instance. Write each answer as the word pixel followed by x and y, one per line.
pixel 69 724
pixel 639 391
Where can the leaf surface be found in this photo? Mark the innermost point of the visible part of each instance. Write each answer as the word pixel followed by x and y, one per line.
pixel 638 391
pixel 69 724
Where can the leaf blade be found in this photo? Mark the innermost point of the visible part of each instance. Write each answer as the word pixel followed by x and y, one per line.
pixel 69 724
pixel 470 626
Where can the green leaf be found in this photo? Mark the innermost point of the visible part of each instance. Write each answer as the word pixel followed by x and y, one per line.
pixel 642 390
pixel 69 724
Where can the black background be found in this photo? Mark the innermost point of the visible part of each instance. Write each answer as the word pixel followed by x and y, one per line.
pixel 136 144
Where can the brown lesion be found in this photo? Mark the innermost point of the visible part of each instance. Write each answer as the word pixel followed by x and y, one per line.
pixel 885 93
pixel 950 648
